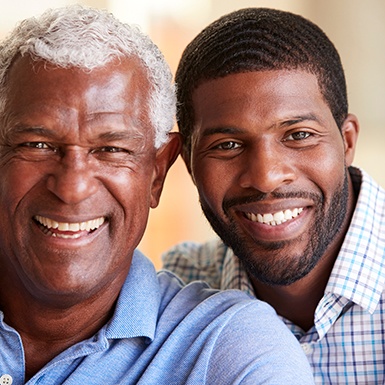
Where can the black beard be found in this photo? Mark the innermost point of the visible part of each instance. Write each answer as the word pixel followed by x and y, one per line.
pixel 284 270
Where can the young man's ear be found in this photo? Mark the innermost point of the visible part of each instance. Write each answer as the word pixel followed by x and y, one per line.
pixel 165 157
pixel 349 130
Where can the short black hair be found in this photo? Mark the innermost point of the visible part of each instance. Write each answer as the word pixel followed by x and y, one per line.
pixel 258 39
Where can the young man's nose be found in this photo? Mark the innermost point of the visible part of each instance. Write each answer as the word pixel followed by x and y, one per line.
pixel 266 167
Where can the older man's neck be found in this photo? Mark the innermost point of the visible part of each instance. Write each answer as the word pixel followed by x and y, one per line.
pixel 47 330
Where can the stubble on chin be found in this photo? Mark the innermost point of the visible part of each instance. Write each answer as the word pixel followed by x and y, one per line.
pixel 285 262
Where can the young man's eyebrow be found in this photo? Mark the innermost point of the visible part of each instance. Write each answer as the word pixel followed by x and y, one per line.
pixel 234 130
pixel 221 130
pixel 299 119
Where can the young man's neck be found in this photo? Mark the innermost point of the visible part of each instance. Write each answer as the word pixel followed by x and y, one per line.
pixel 298 301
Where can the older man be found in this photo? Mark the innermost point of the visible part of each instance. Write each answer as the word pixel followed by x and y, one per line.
pixel 86 108
pixel 269 143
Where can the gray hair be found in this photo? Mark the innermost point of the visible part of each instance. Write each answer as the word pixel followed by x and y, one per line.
pixel 77 36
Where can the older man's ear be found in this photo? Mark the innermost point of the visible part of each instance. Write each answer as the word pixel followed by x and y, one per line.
pixel 165 157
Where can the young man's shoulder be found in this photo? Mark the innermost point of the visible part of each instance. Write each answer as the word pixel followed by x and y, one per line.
pixel 197 261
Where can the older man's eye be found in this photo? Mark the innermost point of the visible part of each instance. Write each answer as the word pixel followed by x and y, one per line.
pixel 111 149
pixel 37 145
pixel 112 153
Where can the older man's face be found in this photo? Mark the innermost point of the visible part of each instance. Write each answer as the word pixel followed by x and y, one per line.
pixel 79 173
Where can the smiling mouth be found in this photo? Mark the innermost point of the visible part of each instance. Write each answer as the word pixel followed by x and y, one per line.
pixel 274 219
pixel 69 230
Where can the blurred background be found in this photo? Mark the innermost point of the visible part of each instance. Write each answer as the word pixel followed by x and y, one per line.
pixel 356 27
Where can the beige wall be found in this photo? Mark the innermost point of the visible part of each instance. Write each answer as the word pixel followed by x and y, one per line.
pixel 356 27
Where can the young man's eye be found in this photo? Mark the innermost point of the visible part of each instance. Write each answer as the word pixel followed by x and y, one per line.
pixel 300 135
pixel 228 145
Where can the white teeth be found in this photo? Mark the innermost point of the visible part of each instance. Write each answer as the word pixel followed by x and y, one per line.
pixel 66 226
pixel 279 216
pixel 267 218
pixel 276 218
pixel 63 226
pixel 288 214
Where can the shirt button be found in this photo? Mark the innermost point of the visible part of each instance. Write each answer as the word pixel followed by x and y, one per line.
pixel 6 379
pixel 306 348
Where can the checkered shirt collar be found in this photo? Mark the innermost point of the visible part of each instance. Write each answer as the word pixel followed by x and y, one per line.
pixel 359 271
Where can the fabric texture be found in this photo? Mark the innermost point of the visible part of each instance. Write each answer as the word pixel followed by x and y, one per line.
pixel 163 333
pixel 347 343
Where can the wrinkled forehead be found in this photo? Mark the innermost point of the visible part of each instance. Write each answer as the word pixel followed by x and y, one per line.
pixel 120 87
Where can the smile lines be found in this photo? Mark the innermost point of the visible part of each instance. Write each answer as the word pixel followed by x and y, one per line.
pixel 276 218
pixel 74 227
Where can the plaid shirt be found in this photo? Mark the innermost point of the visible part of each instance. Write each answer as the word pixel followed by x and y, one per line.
pixel 346 345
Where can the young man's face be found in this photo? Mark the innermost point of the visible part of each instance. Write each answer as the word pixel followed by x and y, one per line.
pixel 79 173
pixel 270 165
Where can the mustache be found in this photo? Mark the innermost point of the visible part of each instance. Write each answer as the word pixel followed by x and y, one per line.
pixel 258 197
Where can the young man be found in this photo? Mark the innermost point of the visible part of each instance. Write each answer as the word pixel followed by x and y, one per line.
pixel 269 143
pixel 86 106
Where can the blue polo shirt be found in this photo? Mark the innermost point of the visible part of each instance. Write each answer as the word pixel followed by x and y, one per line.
pixel 165 333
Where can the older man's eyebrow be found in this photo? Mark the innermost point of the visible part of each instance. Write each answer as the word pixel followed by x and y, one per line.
pixel 120 135
pixel 33 130
pixel 50 133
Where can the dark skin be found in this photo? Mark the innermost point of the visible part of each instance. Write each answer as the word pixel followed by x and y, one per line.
pixel 48 332
pixel 298 301
pixel 79 173
pixel 266 144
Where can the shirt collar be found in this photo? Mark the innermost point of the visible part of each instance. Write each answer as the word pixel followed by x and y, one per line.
pixel 358 274
pixel 138 304
pixel 359 271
